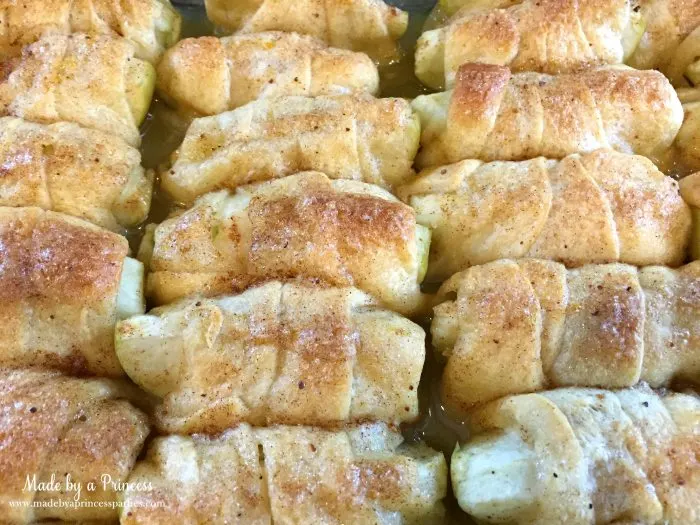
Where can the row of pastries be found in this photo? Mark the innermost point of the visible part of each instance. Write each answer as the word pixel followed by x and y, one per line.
pixel 285 349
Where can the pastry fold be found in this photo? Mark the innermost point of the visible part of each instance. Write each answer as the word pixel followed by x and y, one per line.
pixel 370 26
pixel 57 430
pixel 64 283
pixel 344 233
pixel 94 81
pixel 690 191
pixel 276 354
pixel 548 36
pixel 521 326
pixel 592 208
pixel 582 456
pixel 652 34
pixel 286 475
pixel 151 25
pixel 494 115
pixel 65 168
pixel 211 75
pixel 686 151
pixel 348 137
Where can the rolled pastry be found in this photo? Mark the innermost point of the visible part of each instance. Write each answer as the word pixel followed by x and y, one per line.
pixel 151 25
pixel 94 81
pixel 278 353
pixel 548 36
pixel 658 34
pixel 671 41
pixel 494 115
pixel 582 456
pixel 286 475
pixel 58 433
pixel 690 191
pixel 592 208
pixel 370 26
pixel 520 326
pixel 211 75
pixel 344 233
pixel 65 168
pixel 64 283
pixel 348 137
pixel 687 144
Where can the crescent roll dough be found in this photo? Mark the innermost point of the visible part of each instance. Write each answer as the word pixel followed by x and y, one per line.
pixel 69 169
pixel 519 326
pixel 345 233
pixel 549 36
pixel 94 81
pixel 348 137
pixel 690 191
pixel 687 145
pixel 63 285
pixel 278 353
pixel 287 475
pixel 151 25
pixel 592 208
pixel 494 115
pixel 671 42
pixel 370 26
pixel 582 456
pixel 211 75
pixel 60 430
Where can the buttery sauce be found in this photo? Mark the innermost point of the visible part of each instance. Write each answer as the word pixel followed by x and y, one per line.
pixel 164 130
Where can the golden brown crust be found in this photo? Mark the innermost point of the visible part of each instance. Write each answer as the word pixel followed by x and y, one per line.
pixel 626 456
pixel 668 24
pixel 59 280
pixel 347 137
pixel 370 26
pixel 520 326
pixel 276 354
pixel 304 226
pixel 65 168
pixel 151 25
pixel 534 114
pixel 290 475
pixel 690 189
pixel 209 75
pixel 672 328
pixel 55 425
pixel 598 207
pixel 547 36
pixel 77 78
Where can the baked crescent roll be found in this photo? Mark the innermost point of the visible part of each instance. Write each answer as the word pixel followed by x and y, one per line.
pixel 370 26
pixel 278 353
pixel 582 456
pixel 348 137
pixel 687 144
pixel 520 326
pixel 58 433
pixel 64 283
pixel 345 233
pixel 94 81
pixel 548 36
pixel 211 75
pixel 592 208
pixel 151 25
pixel 690 191
pixel 494 115
pixel 286 475
pixel 671 41
pixel 69 169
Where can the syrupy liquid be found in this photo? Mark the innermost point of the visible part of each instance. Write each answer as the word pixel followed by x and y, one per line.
pixel 164 131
